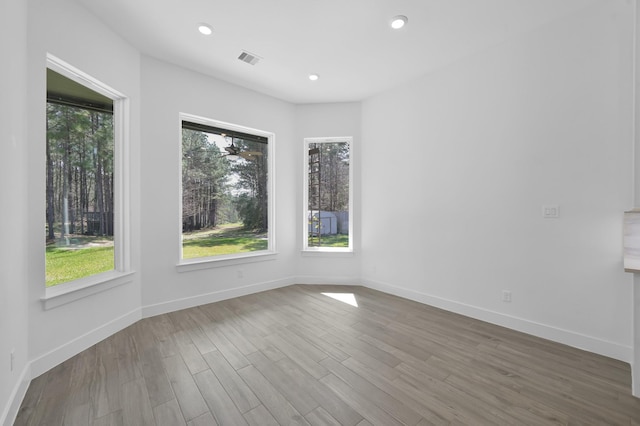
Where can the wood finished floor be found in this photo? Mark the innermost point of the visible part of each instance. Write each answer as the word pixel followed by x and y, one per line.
pixel 296 356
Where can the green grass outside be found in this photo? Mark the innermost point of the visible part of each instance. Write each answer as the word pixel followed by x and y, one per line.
pixel 226 239
pixel 64 264
pixel 338 240
pixel 69 264
pixel 81 259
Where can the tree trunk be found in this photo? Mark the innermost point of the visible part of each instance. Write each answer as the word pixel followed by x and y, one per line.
pixel 50 193
pixel 66 176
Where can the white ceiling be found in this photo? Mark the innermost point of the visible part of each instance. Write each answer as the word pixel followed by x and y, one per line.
pixel 349 43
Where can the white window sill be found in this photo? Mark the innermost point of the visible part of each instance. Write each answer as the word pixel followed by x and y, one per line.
pixel 327 252
pixel 64 293
pixel 187 265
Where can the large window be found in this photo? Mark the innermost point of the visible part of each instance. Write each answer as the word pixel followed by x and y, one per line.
pixel 82 224
pixel 327 203
pixel 226 208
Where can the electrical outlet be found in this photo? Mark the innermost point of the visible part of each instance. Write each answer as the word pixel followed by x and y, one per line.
pixel 506 296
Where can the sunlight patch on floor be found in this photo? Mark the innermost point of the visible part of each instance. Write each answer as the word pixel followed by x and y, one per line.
pixel 348 298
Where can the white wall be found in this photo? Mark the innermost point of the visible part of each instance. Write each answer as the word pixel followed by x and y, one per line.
pixel 635 362
pixel 328 120
pixel 69 32
pixel 13 224
pixel 544 118
pixel 167 91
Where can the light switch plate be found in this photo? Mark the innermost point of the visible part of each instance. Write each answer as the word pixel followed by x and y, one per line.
pixel 551 211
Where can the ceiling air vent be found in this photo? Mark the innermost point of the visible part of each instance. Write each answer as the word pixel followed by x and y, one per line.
pixel 249 58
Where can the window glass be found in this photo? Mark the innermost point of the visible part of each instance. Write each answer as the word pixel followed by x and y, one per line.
pixel 328 194
pixel 79 223
pixel 225 199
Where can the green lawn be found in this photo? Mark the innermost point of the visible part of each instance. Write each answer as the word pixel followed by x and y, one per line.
pixel 82 259
pixel 64 264
pixel 338 240
pixel 226 239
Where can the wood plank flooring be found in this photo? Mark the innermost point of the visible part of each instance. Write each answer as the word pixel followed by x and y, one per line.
pixel 295 356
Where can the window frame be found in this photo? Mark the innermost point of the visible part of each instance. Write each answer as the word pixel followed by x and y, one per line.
pixel 121 273
pixel 184 265
pixel 305 197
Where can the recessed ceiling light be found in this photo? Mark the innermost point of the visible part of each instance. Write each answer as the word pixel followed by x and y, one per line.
pixel 398 22
pixel 313 77
pixel 205 29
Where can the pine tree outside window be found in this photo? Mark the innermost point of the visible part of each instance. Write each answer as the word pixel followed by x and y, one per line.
pixel 327 201
pixel 225 197
pixel 84 195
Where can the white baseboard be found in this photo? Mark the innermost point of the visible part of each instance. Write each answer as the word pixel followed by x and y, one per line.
pixel 60 354
pixel 10 412
pixel 216 296
pixel 570 338
pixel 322 280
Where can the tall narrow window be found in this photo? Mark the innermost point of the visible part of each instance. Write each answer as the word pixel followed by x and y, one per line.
pixel 81 184
pixel 225 190
pixel 327 194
